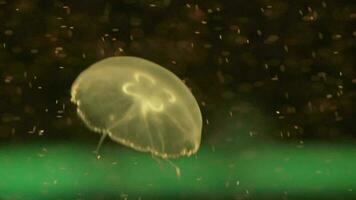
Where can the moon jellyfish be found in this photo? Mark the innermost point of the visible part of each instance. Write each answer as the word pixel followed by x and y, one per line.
pixel 139 104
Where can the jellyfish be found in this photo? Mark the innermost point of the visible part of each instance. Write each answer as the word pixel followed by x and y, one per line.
pixel 139 104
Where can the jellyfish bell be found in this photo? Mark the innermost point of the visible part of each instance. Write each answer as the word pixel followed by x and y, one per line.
pixel 139 104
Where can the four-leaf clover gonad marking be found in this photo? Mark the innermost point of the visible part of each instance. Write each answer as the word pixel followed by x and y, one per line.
pixel 145 89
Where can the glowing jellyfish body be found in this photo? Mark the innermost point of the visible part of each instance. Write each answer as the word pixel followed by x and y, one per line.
pixel 139 104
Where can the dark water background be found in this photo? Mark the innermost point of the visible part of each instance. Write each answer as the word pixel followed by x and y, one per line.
pixel 287 64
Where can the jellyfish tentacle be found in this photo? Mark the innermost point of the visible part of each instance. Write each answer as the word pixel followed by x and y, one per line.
pixel 178 174
pixel 158 160
pixel 176 168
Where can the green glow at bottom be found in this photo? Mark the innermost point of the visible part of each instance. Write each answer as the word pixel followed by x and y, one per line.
pixel 64 169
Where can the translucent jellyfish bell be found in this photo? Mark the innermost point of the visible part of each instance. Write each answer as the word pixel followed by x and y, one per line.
pixel 139 104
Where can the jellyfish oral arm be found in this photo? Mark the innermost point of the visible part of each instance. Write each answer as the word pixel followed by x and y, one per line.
pixel 103 136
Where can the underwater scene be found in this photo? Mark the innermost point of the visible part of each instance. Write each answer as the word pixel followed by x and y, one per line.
pixel 177 99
